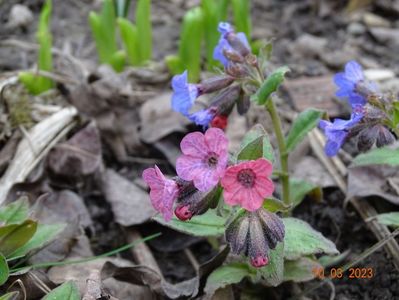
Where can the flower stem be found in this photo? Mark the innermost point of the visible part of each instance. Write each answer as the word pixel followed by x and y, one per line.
pixel 284 175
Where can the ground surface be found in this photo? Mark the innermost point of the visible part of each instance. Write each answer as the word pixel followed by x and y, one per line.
pixel 314 38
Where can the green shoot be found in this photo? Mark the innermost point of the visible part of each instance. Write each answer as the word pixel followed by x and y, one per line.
pixel 242 16
pixel 103 30
pixel 37 84
pixel 122 8
pixel 189 57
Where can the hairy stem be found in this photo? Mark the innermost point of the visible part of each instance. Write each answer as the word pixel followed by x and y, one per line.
pixel 284 175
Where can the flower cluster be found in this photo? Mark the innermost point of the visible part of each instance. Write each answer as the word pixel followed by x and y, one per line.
pixel 371 118
pixel 233 52
pixel 202 171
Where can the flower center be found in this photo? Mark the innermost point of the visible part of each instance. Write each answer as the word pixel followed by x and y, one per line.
pixel 246 177
pixel 212 160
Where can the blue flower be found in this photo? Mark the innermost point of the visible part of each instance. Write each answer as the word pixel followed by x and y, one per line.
pixel 202 117
pixel 184 94
pixel 347 82
pixel 337 132
pixel 225 28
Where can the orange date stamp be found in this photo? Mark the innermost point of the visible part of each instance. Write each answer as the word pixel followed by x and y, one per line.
pixel 338 273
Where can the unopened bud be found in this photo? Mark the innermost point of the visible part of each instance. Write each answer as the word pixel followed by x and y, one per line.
pixel 224 102
pixel 259 261
pixel 384 137
pixel 367 138
pixel 233 56
pixel 243 104
pixel 219 121
pixel 237 44
pixel 214 84
pixel 183 212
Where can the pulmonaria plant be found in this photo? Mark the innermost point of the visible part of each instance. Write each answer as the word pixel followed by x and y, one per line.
pixel 216 191
pixel 374 118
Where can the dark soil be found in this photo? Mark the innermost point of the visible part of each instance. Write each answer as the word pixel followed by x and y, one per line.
pixel 286 21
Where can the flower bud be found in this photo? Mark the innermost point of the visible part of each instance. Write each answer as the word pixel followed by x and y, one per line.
pixel 367 138
pixel 192 202
pixel 233 56
pixel 214 84
pixel 243 104
pixel 254 234
pixel 384 137
pixel 237 44
pixel 237 70
pixel 219 121
pixel 224 102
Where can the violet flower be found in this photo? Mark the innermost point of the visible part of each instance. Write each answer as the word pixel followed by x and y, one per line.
pixel 163 191
pixel 204 158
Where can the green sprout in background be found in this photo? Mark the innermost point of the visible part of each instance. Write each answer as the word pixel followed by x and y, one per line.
pixel 136 38
pixel 37 84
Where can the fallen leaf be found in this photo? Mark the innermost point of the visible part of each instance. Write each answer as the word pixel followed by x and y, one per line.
pixel 159 120
pixel 79 156
pixel 130 204
pixel 375 180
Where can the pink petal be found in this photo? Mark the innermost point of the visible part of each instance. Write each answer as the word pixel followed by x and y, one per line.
pixel 251 200
pixel 232 196
pixel 230 178
pixel 187 167
pixel 264 187
pixel 261 166
pixel 216 140
pixel 193 144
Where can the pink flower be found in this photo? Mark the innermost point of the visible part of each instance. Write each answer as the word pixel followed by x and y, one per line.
pixel 163 191
pixel 204 158
pixel 247 183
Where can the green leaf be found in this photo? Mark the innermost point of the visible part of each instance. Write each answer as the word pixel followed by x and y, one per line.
pixel 395 114
pixel 304 123
pixel 13 237
pixel 174 64
pixel 242 16
pixel 270 85
pixel 228 274
pixel 4 271
pixel 208 224
pixel 265 53
pixel 10 296
pixel 301 240
pixel 390 219
pixel 300 188
pixel 66 291
pixel 144 29
pixel 255 144
pixel 122 8
pixel 44 234
pixel 300 270
pixel 15 212
pixel 130 41
pixel 378 156
pixel 274 205
pixel 273 272
pixel 190 43
pixel 118 60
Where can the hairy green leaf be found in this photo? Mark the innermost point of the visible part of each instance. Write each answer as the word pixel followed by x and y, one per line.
pixel 208 224
pixel 300 188
pixel 255 144
pixel 378 156
pixel 303 124
pixel 301 240
pixel 270 85
pixel 274 205
pixel 228 274
pixel 273 272
pixel 300 270
pixel 390 219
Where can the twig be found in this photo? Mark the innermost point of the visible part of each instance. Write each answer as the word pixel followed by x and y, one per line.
pixel 141 253
pixel 192 259
pixel 43 135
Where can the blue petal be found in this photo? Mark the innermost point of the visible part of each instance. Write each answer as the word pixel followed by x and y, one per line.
pixel 353 71
pixel 356 99
pixel 218 51
pixel 184 94
pixel 345 86
pixel 225 28
pixel 335 142
pixel 202 117
pixel 243 38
